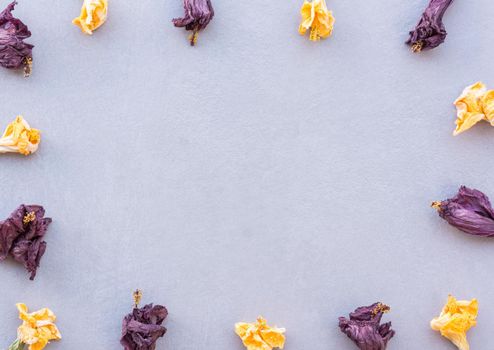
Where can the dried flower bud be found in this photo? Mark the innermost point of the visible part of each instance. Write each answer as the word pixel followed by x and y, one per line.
pixel 470 211
pixel 93 15
pixel 473 105
pixel 364 327
pixel 430 32
pixel 317 18
pixel 142 327
pixel 260 336
pixel 21 236
pixel 14 52
pixel 456 318
pixel 198 14
pixel 19 137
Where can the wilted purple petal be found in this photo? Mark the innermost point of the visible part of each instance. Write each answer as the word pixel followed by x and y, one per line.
pixel 470 211
pixel 21 236
pixel 29 253
pixel 430 32
pixel 14 52
pixel 142 328
pixel 8 234
pixel 198 13
pixel 364 327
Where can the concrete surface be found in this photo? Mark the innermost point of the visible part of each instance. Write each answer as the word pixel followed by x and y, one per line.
pixel 257 173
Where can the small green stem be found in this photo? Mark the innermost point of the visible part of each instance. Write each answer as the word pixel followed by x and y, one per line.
pixel 17 345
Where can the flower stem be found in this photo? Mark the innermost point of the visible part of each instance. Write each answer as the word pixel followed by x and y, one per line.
pixel 16 345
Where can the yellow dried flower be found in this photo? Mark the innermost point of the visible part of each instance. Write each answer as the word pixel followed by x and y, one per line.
pixel 456 318
pixel 37 328
pixel 317 18
pixel 93 15
pixel 260 336
pixel 19 137
pixel 474 104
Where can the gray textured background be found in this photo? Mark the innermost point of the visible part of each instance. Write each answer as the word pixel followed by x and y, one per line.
pixel 258 173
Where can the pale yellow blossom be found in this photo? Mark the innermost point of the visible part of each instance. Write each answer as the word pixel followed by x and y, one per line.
pixel 93 15
pixel 260 336
pixel 456 318
pixel 317 18
pixel 37 328
pixel 19 137
pixel 473 105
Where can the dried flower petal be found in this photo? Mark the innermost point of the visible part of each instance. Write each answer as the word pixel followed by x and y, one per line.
pixel 469 107
pixel 14 52
pixel 21 236
pixel 487 104
pixel 470 211
pixel 364 327
pixel 430 32
pixel 19 137
pixel 198 14
pixel 36 330
pixel 456 318
pixel 473 105
pixel 317 18
pixel 260 336
pixel 93 15
pixel 142 328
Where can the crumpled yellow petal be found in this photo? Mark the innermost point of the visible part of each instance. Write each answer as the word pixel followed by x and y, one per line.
pixel 93 15
pixel 456 318
pixel 19 137
pixel 487 103
pixel 317 18
pixel 37 328
pixel 474 104
pixel 260 336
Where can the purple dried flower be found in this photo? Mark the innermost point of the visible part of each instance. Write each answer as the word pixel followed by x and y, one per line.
pixel 364 327
pixel 198 14
pixel 430 32
pixel 142 328
pixel 14 52
pixel 21 236
pixel 470 211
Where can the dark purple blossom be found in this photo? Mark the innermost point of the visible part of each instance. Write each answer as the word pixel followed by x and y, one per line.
pixel 21 236
pixel 142 328
pixel 470 211
pixel 14 52
pixel 364 327
pixel 430 32
pixel 198 14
